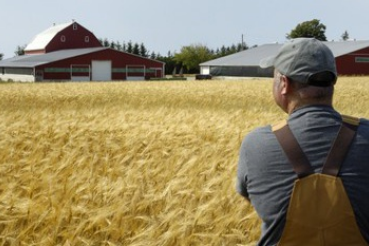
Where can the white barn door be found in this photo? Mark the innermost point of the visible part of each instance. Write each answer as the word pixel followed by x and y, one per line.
pixel 101 70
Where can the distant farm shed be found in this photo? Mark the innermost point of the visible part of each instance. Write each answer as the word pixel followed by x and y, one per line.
pixel 70 52
pixel 352 58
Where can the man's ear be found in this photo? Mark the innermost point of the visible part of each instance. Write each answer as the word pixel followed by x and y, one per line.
pixel 286 85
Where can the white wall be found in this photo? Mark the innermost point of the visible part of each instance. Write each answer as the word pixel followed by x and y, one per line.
pixel 17 78
pixel 205 70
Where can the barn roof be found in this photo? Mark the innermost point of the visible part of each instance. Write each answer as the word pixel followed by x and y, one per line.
pixel 345 47
pixel 252 56
pixel 248 57
pixel 30 61
pixel 41 40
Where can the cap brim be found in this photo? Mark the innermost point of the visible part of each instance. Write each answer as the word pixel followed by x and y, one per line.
pixel 267 62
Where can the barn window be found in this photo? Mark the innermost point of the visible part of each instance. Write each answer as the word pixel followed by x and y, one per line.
pixel 87 39
pixel 19 71
pixel 62 38
pixel 362 59
pixel 75 27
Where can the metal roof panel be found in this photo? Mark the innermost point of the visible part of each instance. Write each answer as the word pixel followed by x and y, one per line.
pixel 37 60
pixel 252 56
pixel 41 40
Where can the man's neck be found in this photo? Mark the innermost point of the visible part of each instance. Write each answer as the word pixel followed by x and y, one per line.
pixel 291 107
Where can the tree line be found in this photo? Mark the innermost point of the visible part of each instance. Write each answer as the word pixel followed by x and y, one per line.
pixel 186 61
pixel 189 57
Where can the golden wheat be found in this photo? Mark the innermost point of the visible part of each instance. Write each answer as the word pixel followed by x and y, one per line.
pixel 144 163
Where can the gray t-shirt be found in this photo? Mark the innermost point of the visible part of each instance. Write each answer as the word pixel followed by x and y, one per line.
pixel 266 178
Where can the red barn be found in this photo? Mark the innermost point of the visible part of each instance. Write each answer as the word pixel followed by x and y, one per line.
pixel 70 52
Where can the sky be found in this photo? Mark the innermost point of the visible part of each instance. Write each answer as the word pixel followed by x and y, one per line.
pixel 168 25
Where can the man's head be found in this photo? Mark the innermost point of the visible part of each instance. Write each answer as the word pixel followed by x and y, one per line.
pixel 305 72
pixel 304 60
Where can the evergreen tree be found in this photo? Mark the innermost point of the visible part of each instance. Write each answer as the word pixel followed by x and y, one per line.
pixel 153 55
pixel 345 36
pixel 118 46
pixel 124 47
pixel 20 50
pixel 170 64
pixel 143 51
pixel 223 51
pixel 136 49
pixel 233 49
pixel 129 48
pixel 241 47
pixel 106 43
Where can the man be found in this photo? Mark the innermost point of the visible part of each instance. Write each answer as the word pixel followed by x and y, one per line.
pixel 268 170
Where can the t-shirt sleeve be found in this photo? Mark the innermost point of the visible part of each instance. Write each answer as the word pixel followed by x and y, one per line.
pixel 241 183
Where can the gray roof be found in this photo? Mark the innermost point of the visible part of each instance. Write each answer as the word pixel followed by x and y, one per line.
pixel 30 61
pixel 252 57
pixel 345 47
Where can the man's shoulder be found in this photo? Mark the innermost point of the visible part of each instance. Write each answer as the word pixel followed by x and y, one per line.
pixel 362 122
pixel 262 135
pixel 352 120
pixel 279 125
pixel 267 129
pixel 259 130
pixel 364 128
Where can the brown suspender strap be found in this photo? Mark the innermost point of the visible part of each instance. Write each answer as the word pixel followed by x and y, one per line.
pixel 335 157
pixel 294 153
pixel 339 149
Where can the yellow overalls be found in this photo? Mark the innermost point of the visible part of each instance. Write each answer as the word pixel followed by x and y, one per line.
pixel 319 212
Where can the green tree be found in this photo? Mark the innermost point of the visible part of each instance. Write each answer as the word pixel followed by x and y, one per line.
pixel 20 50
pixel 309 29
pixel 191 56
pixel 170 64
pixel 1 56
pixel 106 43
pixel 129 47
pixel 118 46
pixel 223 51
pixel 124 47
pixel 143 51
pixel 113 45
pixel 345 36
pixel 136 49
pixel 153 55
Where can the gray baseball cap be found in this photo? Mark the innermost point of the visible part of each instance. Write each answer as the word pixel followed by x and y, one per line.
pixel 301 59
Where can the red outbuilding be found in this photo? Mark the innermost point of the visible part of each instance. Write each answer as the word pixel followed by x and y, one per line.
pixel 70 52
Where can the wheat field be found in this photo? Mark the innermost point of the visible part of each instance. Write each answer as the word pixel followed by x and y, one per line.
pixel 134 163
